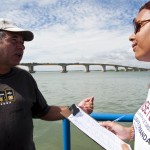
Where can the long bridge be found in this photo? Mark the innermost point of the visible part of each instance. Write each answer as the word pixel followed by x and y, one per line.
pixel 86 65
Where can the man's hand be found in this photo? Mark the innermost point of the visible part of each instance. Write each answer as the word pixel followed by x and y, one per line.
pixel 87 105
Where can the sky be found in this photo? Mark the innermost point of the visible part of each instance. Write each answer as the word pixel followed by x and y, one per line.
pixel 70 31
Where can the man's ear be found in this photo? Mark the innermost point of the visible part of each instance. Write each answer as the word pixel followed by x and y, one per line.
pixel 1 40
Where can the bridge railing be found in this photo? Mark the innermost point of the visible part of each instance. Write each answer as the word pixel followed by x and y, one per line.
pixel 96 116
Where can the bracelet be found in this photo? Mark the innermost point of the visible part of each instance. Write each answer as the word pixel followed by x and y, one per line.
pixel 132 133
pixel 74 110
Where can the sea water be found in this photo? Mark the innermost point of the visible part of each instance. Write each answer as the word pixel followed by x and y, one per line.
pixel 114 92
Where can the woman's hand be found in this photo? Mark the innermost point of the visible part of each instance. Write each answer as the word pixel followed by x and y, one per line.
pixel 122 132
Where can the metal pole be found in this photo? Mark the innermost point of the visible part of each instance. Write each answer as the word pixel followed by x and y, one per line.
pixel 111 117
pixel 66 135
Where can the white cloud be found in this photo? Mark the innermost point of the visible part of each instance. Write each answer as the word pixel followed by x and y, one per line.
pixel 77 30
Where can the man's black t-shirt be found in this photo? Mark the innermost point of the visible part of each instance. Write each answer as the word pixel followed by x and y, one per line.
pixel 20 101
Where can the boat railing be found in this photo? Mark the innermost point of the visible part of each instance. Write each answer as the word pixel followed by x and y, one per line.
pixel 96 116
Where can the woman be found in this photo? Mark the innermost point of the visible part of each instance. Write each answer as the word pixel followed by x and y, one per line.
pixel 140 130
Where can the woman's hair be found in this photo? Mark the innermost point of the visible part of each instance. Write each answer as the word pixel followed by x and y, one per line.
pixel 145 6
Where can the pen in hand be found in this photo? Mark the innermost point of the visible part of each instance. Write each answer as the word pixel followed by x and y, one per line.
pixel 116 120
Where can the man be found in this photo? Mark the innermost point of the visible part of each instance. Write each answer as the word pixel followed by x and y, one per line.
pixel 20 98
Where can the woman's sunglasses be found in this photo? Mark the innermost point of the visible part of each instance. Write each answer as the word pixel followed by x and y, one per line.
pixel 139 24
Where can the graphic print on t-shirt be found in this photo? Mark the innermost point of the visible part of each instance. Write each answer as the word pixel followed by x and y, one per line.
pixel 142 126
pixel 6 97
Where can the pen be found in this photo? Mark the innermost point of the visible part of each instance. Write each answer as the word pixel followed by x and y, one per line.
pixel 119 118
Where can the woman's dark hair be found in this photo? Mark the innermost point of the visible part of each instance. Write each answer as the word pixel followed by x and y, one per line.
pixel 145 6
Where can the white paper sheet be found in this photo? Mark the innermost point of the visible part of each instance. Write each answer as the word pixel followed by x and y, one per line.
pixel 99 134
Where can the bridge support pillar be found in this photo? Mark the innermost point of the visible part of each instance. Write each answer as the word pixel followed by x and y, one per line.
pixel 104 68
pixel 87 68
pixel 126 69
pixel 138 69
pixel 31 69
pixel 116 68
pixel 135 69
pixel 64 68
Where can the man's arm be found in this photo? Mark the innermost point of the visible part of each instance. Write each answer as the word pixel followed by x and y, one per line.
pixel 54 112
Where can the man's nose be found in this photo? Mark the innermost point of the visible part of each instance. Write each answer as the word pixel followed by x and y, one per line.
pixel 20 45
